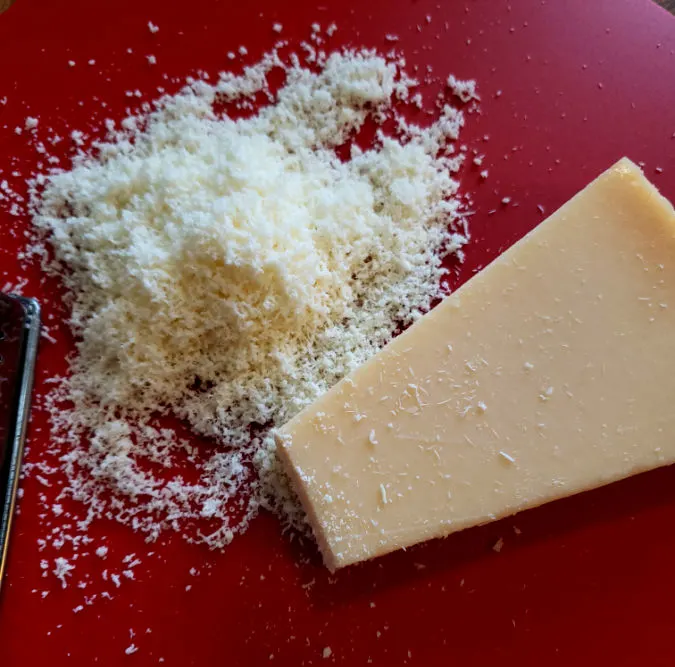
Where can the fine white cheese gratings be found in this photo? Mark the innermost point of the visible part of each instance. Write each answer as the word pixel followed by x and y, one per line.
pixel 228 272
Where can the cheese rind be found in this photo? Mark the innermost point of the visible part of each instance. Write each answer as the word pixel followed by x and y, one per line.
pixel 549 373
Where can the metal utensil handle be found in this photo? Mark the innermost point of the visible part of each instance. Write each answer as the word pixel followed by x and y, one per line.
pixel 12 464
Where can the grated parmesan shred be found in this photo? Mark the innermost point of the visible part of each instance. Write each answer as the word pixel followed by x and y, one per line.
pixel 228 272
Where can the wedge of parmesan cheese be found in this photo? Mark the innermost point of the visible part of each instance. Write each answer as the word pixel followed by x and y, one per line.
pixel 549 373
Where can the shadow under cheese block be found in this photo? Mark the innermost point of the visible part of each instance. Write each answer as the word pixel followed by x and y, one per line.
pixel 549 373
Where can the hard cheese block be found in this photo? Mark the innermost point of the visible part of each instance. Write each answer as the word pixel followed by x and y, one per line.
pixel 549 373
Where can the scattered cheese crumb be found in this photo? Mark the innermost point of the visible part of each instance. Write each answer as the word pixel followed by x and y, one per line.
pixel 62 569
pixel 546 394
pixel 507 457
pixel 327 652
pixel 277 27
pixel 498 545
pixel 152 27
pixel 464 90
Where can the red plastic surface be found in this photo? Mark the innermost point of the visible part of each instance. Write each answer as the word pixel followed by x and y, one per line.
pixel 585 581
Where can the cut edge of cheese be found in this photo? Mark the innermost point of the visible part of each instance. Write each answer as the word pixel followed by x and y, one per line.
pixel 311 481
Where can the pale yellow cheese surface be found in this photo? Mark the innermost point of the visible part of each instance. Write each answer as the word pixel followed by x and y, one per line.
pixel 549 373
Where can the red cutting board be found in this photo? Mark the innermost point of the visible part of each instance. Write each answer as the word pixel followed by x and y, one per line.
pixel 585 581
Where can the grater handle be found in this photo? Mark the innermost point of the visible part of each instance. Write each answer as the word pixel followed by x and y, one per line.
pixel 18 375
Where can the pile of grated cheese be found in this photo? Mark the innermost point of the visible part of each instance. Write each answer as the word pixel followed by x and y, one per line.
pixel 226 270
